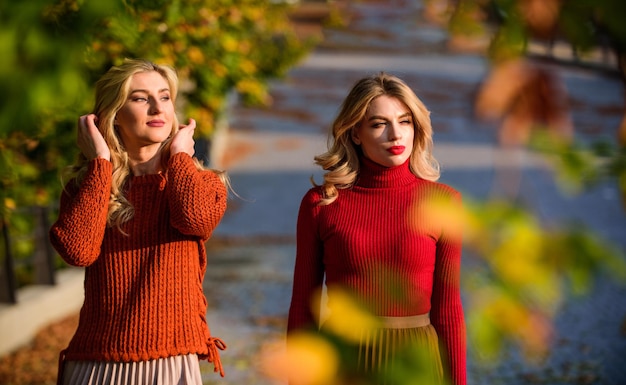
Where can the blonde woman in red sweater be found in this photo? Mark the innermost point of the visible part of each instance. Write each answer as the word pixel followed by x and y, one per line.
pixel 369 229
pixel 136 215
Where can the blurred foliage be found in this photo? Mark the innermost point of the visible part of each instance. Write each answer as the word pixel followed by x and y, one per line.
pixel 509 26
pixel 53 51
pixel 330 356
pixel 582 166
pixel 523 268
pixel 522 271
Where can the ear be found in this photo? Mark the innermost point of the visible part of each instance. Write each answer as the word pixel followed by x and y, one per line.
pixel 355 136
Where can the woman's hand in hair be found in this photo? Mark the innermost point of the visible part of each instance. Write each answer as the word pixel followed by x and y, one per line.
pixel 183 139
pixel 90 140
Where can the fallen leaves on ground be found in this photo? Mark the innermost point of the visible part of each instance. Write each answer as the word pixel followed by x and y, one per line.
pixel 37 362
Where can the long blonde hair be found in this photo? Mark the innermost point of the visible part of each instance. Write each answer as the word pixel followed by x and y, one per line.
pixel 342 159
pixel 111 92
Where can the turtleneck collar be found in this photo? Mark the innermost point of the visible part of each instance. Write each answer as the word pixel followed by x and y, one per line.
pixel 373 175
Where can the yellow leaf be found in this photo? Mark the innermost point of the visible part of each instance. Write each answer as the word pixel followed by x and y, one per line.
pixel 306 359
pixel 348 319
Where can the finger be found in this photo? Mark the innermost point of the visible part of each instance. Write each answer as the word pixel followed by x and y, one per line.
pixel 91 120
pixel 191 125
pixel 82 127
pixel 82 121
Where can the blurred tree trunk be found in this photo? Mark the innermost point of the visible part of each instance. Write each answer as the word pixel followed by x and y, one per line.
pixel 621 135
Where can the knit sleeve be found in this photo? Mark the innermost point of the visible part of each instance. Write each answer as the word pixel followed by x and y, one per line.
pixel 309 267
pixel 79 230
pixel 447 309
pixel 197 198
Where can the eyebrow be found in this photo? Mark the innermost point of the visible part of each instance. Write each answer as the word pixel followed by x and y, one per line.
pixel 375 117
pixel 147 92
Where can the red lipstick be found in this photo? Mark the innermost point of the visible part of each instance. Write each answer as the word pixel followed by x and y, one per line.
pixel 396 150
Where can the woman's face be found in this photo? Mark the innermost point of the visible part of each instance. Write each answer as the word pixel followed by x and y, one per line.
pixel 386 132
pixel 147 116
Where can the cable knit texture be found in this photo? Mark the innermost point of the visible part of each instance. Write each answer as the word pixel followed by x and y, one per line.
pixel 377 241
pixel 143 291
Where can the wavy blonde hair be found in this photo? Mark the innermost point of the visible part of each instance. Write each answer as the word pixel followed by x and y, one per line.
pixel 111 92
pixel 342 159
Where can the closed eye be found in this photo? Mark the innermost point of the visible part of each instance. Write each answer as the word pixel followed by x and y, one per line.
pixel 142 99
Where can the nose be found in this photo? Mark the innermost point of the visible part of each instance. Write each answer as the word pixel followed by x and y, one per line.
pixel 394 131
pixel 155 107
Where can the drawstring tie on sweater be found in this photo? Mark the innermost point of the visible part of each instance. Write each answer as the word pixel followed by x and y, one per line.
pixel 61 367
pixel 214 355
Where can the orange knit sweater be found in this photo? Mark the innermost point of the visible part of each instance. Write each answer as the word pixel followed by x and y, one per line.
pixel 143 291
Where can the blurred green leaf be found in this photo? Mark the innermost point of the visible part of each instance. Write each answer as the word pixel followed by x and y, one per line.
pixel 53 51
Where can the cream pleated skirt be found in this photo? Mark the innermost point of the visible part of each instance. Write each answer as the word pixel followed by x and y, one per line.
pixel 176 370
pixel 407 348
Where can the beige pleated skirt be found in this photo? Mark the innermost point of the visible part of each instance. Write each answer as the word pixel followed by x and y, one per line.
pixel 405 348
pixel 176 370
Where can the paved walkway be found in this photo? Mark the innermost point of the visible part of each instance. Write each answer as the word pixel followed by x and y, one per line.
pixel 269 156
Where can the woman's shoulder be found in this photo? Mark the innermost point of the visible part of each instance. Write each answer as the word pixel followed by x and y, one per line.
pixel 310 205
pixel 440 189
pixel 313 196
pixel 209 173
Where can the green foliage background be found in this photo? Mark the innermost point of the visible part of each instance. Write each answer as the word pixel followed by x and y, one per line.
pixel 53 51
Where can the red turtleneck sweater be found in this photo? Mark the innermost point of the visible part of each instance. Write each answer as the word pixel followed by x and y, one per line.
pixel 143 291
pixel 375 241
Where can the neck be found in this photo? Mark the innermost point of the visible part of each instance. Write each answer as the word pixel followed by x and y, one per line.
pixel 145 160
pixel 374 175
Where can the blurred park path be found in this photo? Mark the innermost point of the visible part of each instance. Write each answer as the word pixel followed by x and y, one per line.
pixel 268 153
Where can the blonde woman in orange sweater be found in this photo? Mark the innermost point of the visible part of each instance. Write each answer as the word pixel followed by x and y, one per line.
pixel 136 215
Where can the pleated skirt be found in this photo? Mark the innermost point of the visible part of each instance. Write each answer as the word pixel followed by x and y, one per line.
pixel 400 352
pixel 176 370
